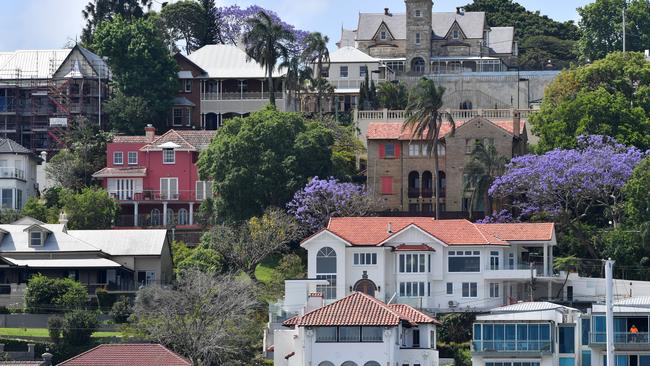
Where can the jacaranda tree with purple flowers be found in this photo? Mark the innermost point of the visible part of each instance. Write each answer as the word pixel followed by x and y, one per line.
pixel 570 184
pixel 321 199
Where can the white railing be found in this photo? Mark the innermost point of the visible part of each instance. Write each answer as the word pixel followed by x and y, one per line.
pixel 241 96
pixel 456 114
pixel 7 172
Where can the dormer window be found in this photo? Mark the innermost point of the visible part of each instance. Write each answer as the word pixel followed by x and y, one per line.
pixel 383 35
pixel 169 156
pixel 455 34
pixel 35 239
pixel 36 235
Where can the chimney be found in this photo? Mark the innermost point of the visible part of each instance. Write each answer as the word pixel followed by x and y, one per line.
pixel 389 229
pixel 47 359
pixel 460 10
pixel 31 349
pixel 386 11
pixel 44 156
pixel 150 132
pixel 63 218
pixel 314 301
pixel 516 123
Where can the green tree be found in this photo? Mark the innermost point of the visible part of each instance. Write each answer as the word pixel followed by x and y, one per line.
pixel 456 327
pixel 637 194
pixel 267 43
pixel 78 327
pixel 142 68
pixel 602 27
pixel 45 295
pixel 425 120
pixel 97 11
pixel 392 95
pixel 36 209
pixel 316 51
pixel 121 310
pixel 567 264
pixel 208 28
pixel 54 328
pixel 184 20
pixel 540 37
pixel 609 97
pixel 323 90
pixel 9 215
pixel 261 160
pixel 204 259
pixel 296 77
pixel 484 166
pixel 91 209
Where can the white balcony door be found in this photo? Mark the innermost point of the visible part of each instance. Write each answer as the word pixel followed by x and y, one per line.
pixel 169 188
pixel 124 189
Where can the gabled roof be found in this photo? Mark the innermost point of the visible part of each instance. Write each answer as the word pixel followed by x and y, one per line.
pixel 393 130
pixel 348 37
pixel 187 140
pixel 121 172
pixel 359 309
pixel 124 242
pixel 369 23
pixel 123 354
pixel 542 231
pixel 30 64
pixel 228 62
pixel 9 146
pixel 58 240
pixel 350 55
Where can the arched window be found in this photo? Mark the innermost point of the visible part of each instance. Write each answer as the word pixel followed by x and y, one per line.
pixel 325 363
pixel 417 65
pixel 183 217
pixel 171 220
pixel 414 184
pixel 442 183
pixel 326 270
pixel 155 217
pixel 349 363
pixel 427 184
pixel 371 363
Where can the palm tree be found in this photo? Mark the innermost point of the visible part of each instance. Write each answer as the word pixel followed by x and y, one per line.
pixel 316 51
pixel 267 43
pixel 484 166
pixel 297 74
pixel 322 88
pixel 568 264
pixel 392 95
pixel 425 120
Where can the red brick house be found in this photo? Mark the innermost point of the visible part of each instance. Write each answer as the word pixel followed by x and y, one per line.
pixel 155 178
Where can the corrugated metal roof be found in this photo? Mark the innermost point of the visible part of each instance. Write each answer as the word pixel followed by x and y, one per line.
pixel 124 242
pixel 529 306
pixel 26 64
pixel 635 301
pixel 350 54
pixel 17 240
pixel 65 263
pixel 228 62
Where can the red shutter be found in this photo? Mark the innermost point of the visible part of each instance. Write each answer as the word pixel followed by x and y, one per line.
pixel 386 185
pixel 397 149
pixel 382 151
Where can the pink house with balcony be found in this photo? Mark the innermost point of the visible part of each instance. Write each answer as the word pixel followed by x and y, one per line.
pixel 155 178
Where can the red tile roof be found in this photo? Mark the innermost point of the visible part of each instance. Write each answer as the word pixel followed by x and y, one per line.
pixel 520 231
pixel 130 139
pixel 393 130
pixel 127 355
pixel 370 231
pixel 361 310
pixel 188 140
pixel 414 248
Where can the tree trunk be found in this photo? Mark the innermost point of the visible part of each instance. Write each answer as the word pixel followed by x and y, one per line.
pixel 562 288
pixel 271 88
pixel 487 205
pixel 436 172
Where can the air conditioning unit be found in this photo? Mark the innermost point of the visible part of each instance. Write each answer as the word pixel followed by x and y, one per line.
pixel 453 304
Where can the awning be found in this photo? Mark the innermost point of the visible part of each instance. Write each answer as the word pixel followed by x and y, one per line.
pixel 183 102
pixel 185 74
pixel 64 263
pixel 121 172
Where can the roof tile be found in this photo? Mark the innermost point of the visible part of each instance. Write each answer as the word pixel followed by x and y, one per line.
pixel 126 355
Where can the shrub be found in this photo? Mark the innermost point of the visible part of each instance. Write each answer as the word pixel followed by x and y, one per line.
pixel 45 295
pixel 121 310
pixel 4 310
pixel 105 300
pixel 78 326
pixel 54 327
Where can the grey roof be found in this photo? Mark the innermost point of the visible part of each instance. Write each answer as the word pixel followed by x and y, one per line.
pixel 64 263
pixel 58 240
pixel 9 146
pixel 183 102
pixel 501 39
pixel 350 55
pixel 124 242
pixel 529 306
pixel 635 301
pixel 348 38
pixel 185 74
pixel 227 62
pixel 471 23
pixel 41 64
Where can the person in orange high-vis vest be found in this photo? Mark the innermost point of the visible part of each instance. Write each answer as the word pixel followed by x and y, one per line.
pixel 634 332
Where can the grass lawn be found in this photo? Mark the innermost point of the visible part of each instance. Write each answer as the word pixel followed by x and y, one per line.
pixel 264 271
pixel 42 332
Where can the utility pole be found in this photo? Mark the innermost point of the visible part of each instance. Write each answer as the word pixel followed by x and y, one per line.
pixel 609 318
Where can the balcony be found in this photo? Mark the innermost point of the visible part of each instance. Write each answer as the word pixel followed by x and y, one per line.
pixel 507 346
pixel 622 340
pixel 511 272
pixel 241 95
pixel 157 195
pixel 12 173
pixel 178 219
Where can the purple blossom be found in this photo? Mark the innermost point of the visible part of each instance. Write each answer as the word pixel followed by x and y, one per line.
pixel 233 24
pixel 321 199
pixel 501 217
pixel 569 181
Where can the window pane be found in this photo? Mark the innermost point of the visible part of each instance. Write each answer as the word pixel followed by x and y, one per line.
pixel 401 263
pixel 464 264
pixel 567 337
pixel 349 334
pixel 326 334
pixel 473 289
pixel 585 331
pixel 586 359
pixel 372 334
pixel 422 269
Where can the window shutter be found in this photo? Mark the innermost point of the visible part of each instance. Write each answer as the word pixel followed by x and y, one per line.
pixel 382 151
pixel 398 147
pixel 387 185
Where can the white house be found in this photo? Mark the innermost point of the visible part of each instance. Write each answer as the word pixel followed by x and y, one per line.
pixel 440 265
pixel 17 174
pixel 527 334
pixel 357 330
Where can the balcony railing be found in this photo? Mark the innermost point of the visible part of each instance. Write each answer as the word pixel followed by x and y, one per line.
pixel 13 173
pixel 154 221
pixel 513 267
pixel 622 338
pixel 241 95
pixel 157 195
pixel 457 114
pixel 512 346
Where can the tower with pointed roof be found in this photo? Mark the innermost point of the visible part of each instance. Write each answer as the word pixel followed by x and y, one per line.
pixel 418 35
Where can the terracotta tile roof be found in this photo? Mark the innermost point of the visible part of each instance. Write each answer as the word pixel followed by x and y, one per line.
pixel 520 231
pixel 187 140
pixel 393 130
pixel 120 139
pixel 361 310
pixel 126 355
pixel 371 231
pixel 414 248
pixel 121 172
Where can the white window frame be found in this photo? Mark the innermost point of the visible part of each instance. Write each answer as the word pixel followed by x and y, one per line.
pixel 361 69
pixel 450 288
pixel 415 262
pixel 414 289
pixel 117 161
pixel 206 188
pixel 347 71
pixel 468 288
pixel 164 156
pixel 455 34
pixel 414 149
pixel 187 85
pixel 364 259
pixel 131 154
pixel 418 13
pixel 32 238
pixel 494 289
pixel 170 194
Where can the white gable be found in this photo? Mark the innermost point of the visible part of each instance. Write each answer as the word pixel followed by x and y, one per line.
pixel 414 235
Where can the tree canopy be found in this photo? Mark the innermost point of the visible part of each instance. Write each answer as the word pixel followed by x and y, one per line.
pixel 608 97
pixel 98 11
pixel 261 160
